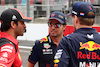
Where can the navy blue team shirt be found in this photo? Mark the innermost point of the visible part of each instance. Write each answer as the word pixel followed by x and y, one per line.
pixel 43 52
pixel 79 49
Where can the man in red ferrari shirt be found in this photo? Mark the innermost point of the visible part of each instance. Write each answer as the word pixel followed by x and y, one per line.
pixel 12 25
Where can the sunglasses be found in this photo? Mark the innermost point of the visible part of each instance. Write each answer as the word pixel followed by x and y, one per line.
pixel 56 25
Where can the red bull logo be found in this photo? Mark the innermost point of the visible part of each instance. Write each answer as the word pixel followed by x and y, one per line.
pixel 56 61
pixel 52 15
pixel 55 65
pixel 44 39
pixel 90 55
pixel 90 45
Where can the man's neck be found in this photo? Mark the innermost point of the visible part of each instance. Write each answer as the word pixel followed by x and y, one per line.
pixel 11 33
pixel 56 40
pixel 83 26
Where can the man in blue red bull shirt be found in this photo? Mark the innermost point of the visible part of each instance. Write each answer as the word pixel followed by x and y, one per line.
pixel 43 51
pixel 82 47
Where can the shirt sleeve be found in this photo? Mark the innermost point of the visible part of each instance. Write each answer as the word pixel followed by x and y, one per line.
pixel 62 57
pixel 34 55
pixel 7 55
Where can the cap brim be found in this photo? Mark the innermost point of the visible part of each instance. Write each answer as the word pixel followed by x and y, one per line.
pixel 26 19
pixel 69 14
pixel 57 20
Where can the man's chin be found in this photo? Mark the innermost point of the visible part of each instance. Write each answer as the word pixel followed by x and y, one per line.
pixel 54 35
pixel 20 34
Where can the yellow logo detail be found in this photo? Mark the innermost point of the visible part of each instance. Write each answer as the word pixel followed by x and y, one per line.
pixel 55 65
pixel 90 45
pixel 31 49
pixel 19 56
pixel 56 61
pixel 44 39
pixel 61 16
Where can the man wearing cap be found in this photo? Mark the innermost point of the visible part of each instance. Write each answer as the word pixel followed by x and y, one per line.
pixel 43 51
pixel 82 47
pixel 12 25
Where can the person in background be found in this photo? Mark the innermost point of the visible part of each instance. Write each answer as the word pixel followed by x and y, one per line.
pixel 43 51
pixel 12 25
pixel 82 47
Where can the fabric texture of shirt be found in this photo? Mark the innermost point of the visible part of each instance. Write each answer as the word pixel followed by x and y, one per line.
pixel 79 49
pixel 8 55
pixel 43 52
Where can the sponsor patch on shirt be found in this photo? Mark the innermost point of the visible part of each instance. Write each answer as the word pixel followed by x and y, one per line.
pixel 7 49
pixel 3 59
pixel 2 65
pixel 47 51
pixel 58 54
pixel 46 45
pixel 92 54
pixel 44 40
pixel 89 64
pixel 5 54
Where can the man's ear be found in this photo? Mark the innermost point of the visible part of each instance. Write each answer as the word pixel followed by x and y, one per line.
pixel 13 25
pixel 76 18
pixel 65 26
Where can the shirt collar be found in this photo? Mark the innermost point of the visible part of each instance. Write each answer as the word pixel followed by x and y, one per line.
pixel 49 39
pixel 9 37
pixel 86 30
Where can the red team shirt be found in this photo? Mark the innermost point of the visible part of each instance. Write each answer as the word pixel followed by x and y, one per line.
pixel 8 54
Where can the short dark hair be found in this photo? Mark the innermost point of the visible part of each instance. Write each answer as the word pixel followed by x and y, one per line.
pixel 6 26
pixel 87 21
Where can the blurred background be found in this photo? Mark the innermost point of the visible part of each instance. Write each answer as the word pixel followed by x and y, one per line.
pixel 40 10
